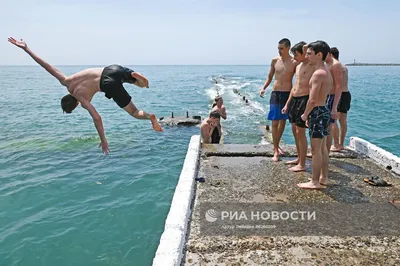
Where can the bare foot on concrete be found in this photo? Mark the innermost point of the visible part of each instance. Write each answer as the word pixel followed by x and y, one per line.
pixel 337 148
pixel 310 185
pixel 322 181
pixel 297 168
pixel 276 157
pixel 296 161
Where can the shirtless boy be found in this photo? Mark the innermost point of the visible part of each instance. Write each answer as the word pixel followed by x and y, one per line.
pixel 220 108
pixel 296 105
pixel 83 85
pixel 283 67
pixel 208 125
pixel 336 69
pixel 317 114
pixel 343 108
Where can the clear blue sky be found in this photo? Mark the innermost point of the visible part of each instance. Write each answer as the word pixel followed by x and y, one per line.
pixel 194 31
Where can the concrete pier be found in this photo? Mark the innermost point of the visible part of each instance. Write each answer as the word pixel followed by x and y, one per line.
pixel 246 174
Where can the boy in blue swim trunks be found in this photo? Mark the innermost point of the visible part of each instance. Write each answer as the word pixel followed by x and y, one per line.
pixel 283 67
pixel 317 114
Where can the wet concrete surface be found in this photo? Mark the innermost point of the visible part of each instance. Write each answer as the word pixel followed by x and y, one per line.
pixel 247 174
pixel 261 150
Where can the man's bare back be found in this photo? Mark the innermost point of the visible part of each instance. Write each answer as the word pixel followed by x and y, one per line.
pixel 205 131
pixel 304 72
pixel 284 71
pixel 333 67
pixel 84 84
pixel 345 78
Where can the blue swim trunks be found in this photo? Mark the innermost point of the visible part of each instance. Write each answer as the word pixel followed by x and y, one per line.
pixel 276 103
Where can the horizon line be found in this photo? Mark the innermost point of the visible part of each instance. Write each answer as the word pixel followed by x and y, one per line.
pixel 2 65
pixel 103 65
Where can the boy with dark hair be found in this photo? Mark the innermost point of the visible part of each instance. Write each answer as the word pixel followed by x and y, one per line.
pixel 220 108
pixel 283 67
pixel 317 114
pixel 343 108
pixel 296 105
pixel 208 125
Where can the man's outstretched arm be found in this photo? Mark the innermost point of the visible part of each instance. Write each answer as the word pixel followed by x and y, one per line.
pixel 49 68
pixel 98 123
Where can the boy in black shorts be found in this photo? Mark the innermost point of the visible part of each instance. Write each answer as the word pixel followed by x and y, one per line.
pixel 296 105
pixel 343 107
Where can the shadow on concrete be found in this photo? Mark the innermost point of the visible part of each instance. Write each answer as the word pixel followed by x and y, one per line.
pixel 349 167
pixel 342 190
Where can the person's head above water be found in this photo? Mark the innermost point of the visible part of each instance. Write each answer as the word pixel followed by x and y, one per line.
pixel 284 47
pixel 68 103
pixel 298 52
pixel 214 117
pixel 218 100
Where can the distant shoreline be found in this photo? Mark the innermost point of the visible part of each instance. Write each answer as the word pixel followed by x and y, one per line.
pixel 371 64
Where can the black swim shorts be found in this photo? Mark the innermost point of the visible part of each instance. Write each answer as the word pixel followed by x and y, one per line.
pixel 344 103
pixel 319 121
pixel 215 137
pixel 111 82
pixel 296 108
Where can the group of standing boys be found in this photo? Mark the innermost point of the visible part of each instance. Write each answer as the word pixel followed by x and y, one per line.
pixel 318 98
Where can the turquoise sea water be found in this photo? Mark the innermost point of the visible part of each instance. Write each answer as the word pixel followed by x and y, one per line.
pixel 63 203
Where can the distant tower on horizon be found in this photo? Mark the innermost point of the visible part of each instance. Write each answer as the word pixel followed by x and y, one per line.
pixel 354 61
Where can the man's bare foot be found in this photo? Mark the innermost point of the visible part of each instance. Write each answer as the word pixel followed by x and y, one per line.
pixel 276 157
pixel 156 125
pixel 297 168
pixel 281 152
pixel 322 181
pixel 336 148
pixel 310 185
pixel 296 161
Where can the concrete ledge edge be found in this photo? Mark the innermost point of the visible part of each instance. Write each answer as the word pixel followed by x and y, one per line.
pixel 172 241
pixel 379 155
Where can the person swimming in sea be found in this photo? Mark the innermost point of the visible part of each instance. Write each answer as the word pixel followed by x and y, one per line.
pixel 82 86
pixel 219 107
